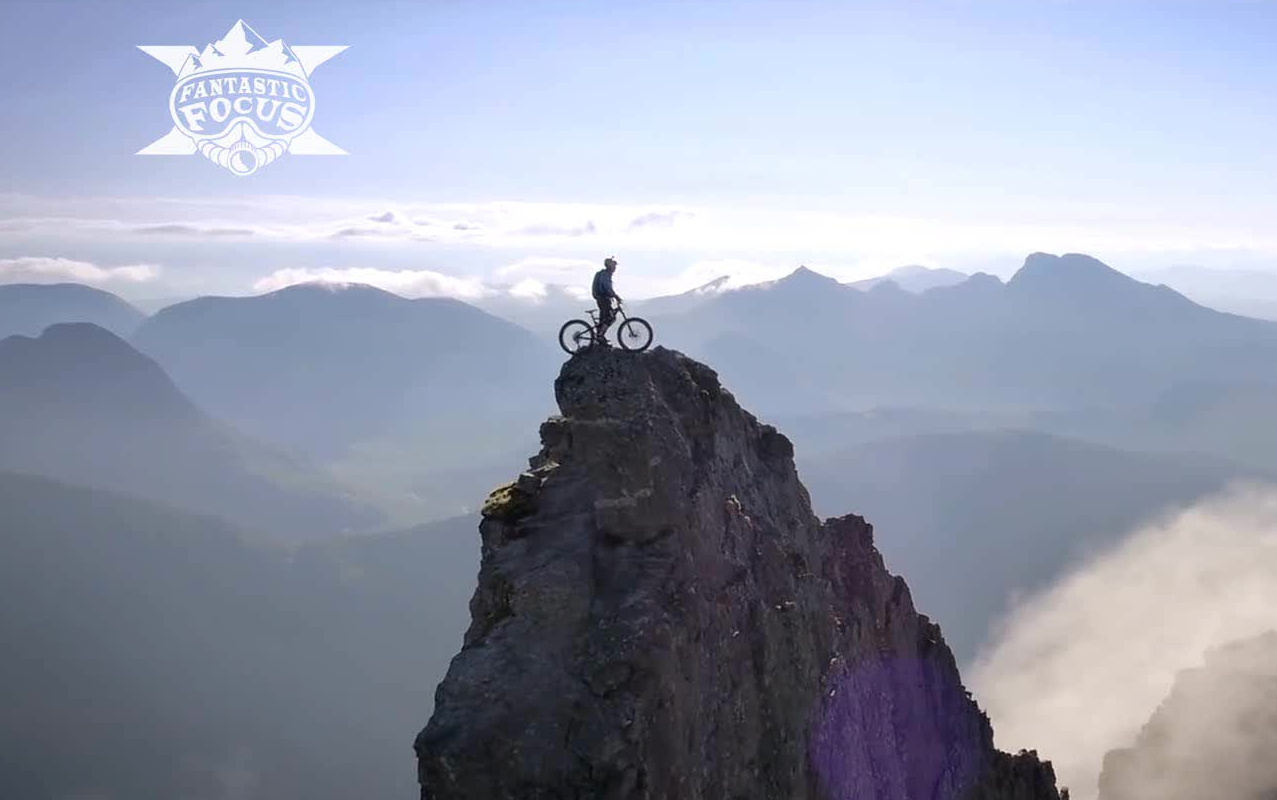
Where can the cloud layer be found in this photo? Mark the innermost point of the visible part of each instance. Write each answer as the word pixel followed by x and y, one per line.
pixel 665 248
pixel 818 228
pixel 56 270
pixel 407 283
pixel 1078 669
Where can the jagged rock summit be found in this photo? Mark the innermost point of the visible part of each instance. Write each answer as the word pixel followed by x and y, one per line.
pixel 660 615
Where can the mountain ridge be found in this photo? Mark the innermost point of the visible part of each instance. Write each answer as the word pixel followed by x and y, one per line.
pixel 1065 331
pixel 321 367
pixel 26 309
pixel 913 278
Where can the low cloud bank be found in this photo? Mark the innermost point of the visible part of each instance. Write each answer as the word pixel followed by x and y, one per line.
pixel 407 283
pixel 55 270
pixel 1078 669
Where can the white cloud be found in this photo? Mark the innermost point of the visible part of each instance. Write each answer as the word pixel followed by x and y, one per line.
pixel 407 283
pixel 529 289
pixel 526 281
pixel 549 269
pixel 570 231
pixel 179 229
pixel 659 219
pixel 1078 669
pixel 53 270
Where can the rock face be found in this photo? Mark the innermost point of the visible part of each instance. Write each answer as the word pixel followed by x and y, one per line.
pixel 1214 736
pixel 660 615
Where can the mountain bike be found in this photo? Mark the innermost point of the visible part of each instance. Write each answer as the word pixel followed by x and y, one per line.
pixel 632 333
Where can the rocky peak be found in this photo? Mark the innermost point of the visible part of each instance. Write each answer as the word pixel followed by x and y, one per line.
pixel 808 278
pixel 1070 275
pixel 660 615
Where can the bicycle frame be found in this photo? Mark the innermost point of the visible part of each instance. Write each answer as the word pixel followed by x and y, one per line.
pixel 594 315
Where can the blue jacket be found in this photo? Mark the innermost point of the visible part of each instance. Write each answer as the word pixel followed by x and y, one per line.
pixel 602 288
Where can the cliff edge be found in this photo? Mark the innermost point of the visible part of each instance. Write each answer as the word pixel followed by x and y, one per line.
pixel 660 615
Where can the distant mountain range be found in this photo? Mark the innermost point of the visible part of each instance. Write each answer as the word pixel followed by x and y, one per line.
pixel 79 404
pixel 914 278
pixel 323 367
pixel 28 308
pixel 413 403
pixel 420 402
pixel 1063 332
pixel 546 311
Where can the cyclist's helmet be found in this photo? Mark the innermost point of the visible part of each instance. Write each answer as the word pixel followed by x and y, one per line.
pixel 609 262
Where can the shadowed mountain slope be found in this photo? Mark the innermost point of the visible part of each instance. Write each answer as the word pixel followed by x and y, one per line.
pixel 79 404
pixel 153 654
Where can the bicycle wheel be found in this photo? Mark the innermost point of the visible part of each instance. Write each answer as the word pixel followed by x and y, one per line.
pixel 575 336
pixel 634 334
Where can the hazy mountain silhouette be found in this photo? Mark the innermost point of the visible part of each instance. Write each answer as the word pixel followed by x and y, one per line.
pixel 543 313
pixel 1065 332
pixel 322 367
pixel 149 305
pixel 79 404
pixel 1080 282
pixel 914 278
pixel 816 435
pixel 29 308
pixel 1250 292
pixel 156 654
pixel 1233 419
pixel 962 514
pixel 683 301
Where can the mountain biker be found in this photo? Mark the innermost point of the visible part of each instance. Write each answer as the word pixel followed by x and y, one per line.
pixel 604 295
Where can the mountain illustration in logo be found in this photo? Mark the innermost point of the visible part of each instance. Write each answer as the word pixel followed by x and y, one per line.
pixel 242 102
pixel 244 47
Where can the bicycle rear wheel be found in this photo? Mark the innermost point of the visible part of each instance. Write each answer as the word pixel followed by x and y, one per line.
pixel 634 334
pixel 576 335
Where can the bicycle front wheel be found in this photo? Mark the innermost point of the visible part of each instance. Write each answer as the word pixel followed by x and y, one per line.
pixel 575 336
pixel 634 334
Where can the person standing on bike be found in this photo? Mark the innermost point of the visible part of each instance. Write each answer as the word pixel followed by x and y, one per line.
pixel 604 295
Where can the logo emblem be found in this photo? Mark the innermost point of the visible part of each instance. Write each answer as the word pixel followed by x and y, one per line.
pixel 242 101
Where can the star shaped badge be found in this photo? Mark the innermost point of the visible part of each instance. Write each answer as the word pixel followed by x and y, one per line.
pixel 242 101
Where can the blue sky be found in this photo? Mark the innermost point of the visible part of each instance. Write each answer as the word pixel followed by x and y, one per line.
pixel 852 135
